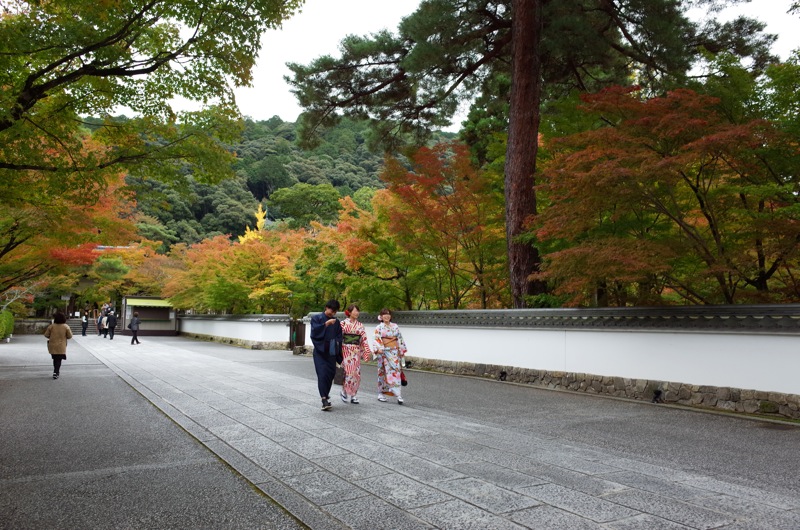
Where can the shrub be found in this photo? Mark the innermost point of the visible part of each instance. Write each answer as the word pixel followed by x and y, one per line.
pixel 6 324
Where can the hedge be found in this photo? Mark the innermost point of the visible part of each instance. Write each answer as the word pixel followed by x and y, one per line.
pixel 6 324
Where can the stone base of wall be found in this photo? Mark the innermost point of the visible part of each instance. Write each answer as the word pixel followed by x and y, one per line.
pixel 249 344
pixel 31 326
pixel 303 350
pixel 768 404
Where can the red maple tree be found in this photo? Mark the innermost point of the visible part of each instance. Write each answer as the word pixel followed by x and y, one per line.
pixel 669 202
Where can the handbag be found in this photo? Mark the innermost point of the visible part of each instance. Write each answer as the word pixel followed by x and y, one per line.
pixel 403 380
pixel 338 377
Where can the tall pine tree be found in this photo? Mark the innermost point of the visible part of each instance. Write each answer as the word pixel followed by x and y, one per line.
pixel 449 51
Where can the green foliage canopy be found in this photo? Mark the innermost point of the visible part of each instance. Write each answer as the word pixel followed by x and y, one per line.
pixel 63 59
pixel 303 203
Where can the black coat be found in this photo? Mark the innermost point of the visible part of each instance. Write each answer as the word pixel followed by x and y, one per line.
pixel 326 338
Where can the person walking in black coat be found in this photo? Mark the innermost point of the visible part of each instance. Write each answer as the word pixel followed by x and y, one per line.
pixel 112 323
pixel 326 335
pixel 84 322
pixel 133 325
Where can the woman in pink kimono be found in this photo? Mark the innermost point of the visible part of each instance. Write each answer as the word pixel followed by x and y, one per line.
pixel 391 349
pixel 355 347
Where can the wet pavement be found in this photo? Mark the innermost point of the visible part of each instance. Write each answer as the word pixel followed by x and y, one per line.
pixel 248 447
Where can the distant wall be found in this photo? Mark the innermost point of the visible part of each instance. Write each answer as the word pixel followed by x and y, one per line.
pixel 31 326
pixel 250 331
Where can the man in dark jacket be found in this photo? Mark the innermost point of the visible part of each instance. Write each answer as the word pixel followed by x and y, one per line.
pixel 326 335
pixel 112 323
pixel 134 327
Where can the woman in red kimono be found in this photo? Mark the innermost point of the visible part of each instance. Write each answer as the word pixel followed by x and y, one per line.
pixel 355 347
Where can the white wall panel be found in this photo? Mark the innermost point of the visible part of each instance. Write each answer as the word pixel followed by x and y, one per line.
pixel 757 361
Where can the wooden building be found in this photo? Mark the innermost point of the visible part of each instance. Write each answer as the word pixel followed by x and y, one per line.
pixel 157 316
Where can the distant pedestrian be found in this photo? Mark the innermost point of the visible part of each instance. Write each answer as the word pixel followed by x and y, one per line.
pixel 133 325
pixel 391 350
pixel 84 322
pixel 355 346
pixel 99 323
pixel 326 335
pixel 111 324
pixel 104 326
pixel 57 335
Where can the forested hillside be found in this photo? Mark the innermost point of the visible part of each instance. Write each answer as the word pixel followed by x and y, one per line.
pixel 267 159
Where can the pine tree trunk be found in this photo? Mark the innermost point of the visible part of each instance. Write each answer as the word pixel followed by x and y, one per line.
pixel 523 131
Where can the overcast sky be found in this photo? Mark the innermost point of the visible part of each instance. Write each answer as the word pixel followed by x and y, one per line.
pixel 322 24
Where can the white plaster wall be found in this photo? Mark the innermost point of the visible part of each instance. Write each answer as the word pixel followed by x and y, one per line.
pixel 525 348
pixel 767 362
pixel 237 329
pixel 747 361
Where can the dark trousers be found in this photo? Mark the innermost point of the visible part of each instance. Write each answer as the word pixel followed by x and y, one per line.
pixel 84 325
pixel 57 363
pixel 135 338
pixel 325 365
pixel 111 332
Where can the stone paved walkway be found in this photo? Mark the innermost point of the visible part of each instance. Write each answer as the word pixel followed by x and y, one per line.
pixel 88 452
pixel 380 465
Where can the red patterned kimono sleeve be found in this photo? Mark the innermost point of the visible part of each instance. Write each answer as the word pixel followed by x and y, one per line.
pixel 366 352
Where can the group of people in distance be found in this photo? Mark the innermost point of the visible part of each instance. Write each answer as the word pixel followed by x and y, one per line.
pixel 106 321
pixel 345 342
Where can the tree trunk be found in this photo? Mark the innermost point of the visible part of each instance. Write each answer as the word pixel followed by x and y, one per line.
pixel 523 131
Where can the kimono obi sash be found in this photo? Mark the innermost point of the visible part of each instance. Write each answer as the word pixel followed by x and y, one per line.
pixel 351 338
pixel 389 342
